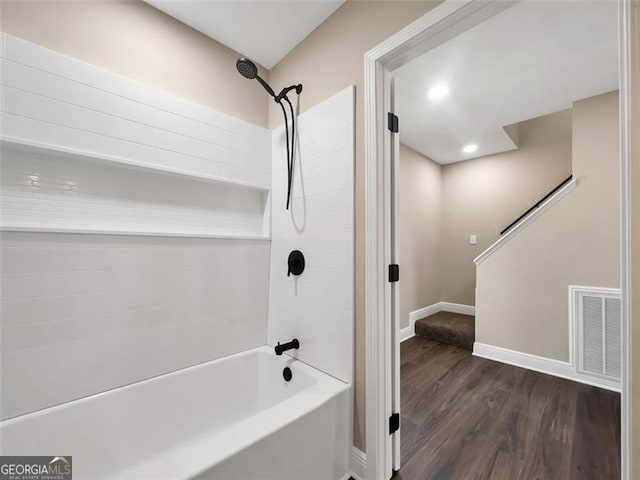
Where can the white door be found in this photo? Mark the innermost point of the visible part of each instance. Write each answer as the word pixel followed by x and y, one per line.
pixel 394 243
pixel 389 445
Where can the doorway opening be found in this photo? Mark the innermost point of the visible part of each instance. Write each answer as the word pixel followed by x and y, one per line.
pixel 498 197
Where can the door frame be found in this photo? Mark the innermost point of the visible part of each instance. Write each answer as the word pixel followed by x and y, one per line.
pixel 443 22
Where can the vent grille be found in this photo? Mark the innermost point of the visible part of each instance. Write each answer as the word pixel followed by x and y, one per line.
pixel 612 337
pixel 597 318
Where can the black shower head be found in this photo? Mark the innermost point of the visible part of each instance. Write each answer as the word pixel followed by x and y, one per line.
pixel 249 70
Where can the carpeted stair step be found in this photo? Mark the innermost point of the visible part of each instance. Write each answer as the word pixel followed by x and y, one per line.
pixel 448 327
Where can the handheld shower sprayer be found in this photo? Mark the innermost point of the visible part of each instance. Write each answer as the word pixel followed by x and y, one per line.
pixel 249 70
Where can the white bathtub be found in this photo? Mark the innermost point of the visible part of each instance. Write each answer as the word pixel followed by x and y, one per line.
pixel 234 418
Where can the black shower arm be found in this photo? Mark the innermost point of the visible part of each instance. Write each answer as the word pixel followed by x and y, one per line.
pixel 284 91
pixel 266 86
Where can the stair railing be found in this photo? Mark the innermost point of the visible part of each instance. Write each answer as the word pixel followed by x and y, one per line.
pixel 536 205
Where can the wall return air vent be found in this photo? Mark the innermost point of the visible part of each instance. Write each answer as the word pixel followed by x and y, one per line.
pixel 596 316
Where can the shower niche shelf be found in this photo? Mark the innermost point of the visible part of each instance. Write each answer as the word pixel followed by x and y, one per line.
pixel 139 233
pixel 96 157
pixel 58 190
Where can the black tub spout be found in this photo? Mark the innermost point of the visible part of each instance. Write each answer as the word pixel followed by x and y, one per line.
pixel 280 349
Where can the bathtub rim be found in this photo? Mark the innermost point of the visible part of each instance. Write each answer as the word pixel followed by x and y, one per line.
pixel 269 420
pixel 76 401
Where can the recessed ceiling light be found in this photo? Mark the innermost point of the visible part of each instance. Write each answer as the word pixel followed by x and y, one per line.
pixel 437 92
pixel 470 148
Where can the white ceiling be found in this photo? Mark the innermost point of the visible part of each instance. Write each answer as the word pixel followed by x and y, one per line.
pixel 532 59
pixel 262 30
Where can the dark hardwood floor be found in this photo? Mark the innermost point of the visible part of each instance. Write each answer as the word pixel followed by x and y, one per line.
pixel 465 417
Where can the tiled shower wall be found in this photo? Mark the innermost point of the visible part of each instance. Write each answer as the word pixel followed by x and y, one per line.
pixel 317 306
pixel 49 99
pixel 82 313
pixel 85 313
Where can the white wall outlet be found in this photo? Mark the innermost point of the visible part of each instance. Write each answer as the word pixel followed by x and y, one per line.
pixel 473 240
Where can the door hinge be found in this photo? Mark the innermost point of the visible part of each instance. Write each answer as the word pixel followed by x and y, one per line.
pixel 392 122
pixel 394 272
pixel 394 423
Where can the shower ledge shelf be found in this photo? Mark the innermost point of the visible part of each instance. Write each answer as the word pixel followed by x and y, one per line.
pixel 125 229
pixel 40 147
pixel 116 231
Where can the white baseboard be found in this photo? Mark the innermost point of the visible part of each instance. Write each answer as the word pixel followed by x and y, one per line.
pixel 457 308
pixel 410 331
pixel 407 332
pixel 358 463
pixel 541 364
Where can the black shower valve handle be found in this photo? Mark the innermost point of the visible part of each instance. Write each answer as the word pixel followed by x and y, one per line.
pixel 295 263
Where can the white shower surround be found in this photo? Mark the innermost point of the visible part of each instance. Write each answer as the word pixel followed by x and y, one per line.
pixel 88 151
pixel 316 307
pixel 108 302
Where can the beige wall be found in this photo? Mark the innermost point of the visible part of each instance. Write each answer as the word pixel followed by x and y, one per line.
pixel 635 239
pixel 522 288
pixel 484 195
pixel 420 219
pixel 136 40
pixel 480 197
pixel 327 61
